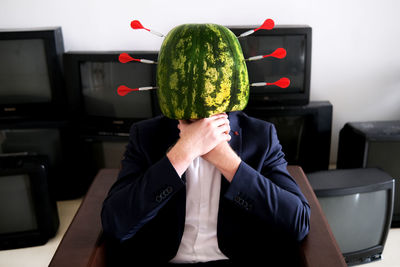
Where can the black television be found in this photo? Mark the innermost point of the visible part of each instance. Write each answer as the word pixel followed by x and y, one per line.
pixel 103 151
pixel 296 40
pixel 358 204
pixel 303 131
pixel 59 141
pixel 372 144
pixel 31 79
pixel 28 212
pixel 92 79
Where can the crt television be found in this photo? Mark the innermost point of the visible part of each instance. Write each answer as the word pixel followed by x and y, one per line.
pixel 92 79
pixel 358 204
pixel 28 212
pixel 103 151
pixel 59 141
pixel 373 144
pixel 31 80
pixel 303 131
pixel 296 65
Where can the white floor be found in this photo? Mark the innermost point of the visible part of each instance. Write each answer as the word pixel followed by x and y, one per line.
pixel 391 251
pixel 40 256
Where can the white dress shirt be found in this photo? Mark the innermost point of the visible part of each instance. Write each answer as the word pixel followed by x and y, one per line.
pixel 199 241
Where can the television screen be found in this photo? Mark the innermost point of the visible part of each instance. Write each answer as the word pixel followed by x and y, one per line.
pixel 31 81
pixel 28 212
pixel 296 66
pixel 24 77
pixel 100 80
pixel 19 213
pixel 358 204
pixel 273 69
pixel 92 80
pixel 372 144
pixel 347 216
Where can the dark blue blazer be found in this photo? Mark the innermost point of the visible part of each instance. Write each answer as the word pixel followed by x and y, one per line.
pixel 261 212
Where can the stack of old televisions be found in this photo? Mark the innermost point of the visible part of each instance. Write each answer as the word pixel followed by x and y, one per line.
pixel 34 115
pixel 303 126
pixel 373 144
pixel 104 117
pixel 361 198
pixel 37 146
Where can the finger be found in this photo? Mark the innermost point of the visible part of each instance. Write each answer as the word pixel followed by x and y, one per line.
pixel 220 115
pixel 216 117
pixel 226 123
pixel 220 121
pixel 224 137
pixel 224 129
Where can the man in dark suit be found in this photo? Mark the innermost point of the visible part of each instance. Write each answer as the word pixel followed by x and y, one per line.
pixel 157 215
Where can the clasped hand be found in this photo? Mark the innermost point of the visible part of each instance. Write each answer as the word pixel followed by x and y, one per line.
pixel 207 138
pixel 203 135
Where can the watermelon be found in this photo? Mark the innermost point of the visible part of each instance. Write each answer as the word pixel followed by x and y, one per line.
pixel 201 72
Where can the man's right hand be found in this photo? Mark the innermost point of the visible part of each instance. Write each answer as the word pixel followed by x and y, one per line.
pixel 198 138
pixel 201 136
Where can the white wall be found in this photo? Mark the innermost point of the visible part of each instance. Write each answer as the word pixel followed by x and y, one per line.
pixel 356 44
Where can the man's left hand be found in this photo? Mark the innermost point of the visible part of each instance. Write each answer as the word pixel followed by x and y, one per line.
pixel 225 159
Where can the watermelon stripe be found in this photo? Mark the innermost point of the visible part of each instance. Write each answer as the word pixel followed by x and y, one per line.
pixel 191 77
pixel 235 73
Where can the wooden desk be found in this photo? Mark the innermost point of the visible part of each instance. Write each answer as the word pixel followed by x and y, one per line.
pixel 83 246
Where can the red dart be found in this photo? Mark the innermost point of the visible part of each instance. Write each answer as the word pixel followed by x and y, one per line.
pixel 125 58
pixel 282 83
pixel 124 90
pixel 267 25
pixel 136 25
pixel 278 53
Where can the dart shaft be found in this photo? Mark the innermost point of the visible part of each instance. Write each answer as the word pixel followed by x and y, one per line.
pixel 255 58
pixel 246 33
pixel 259 84
pixel 147 61
pixel 156 33
pixel 145 88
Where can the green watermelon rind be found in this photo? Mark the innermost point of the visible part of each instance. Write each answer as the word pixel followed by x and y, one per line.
pixel 201 72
